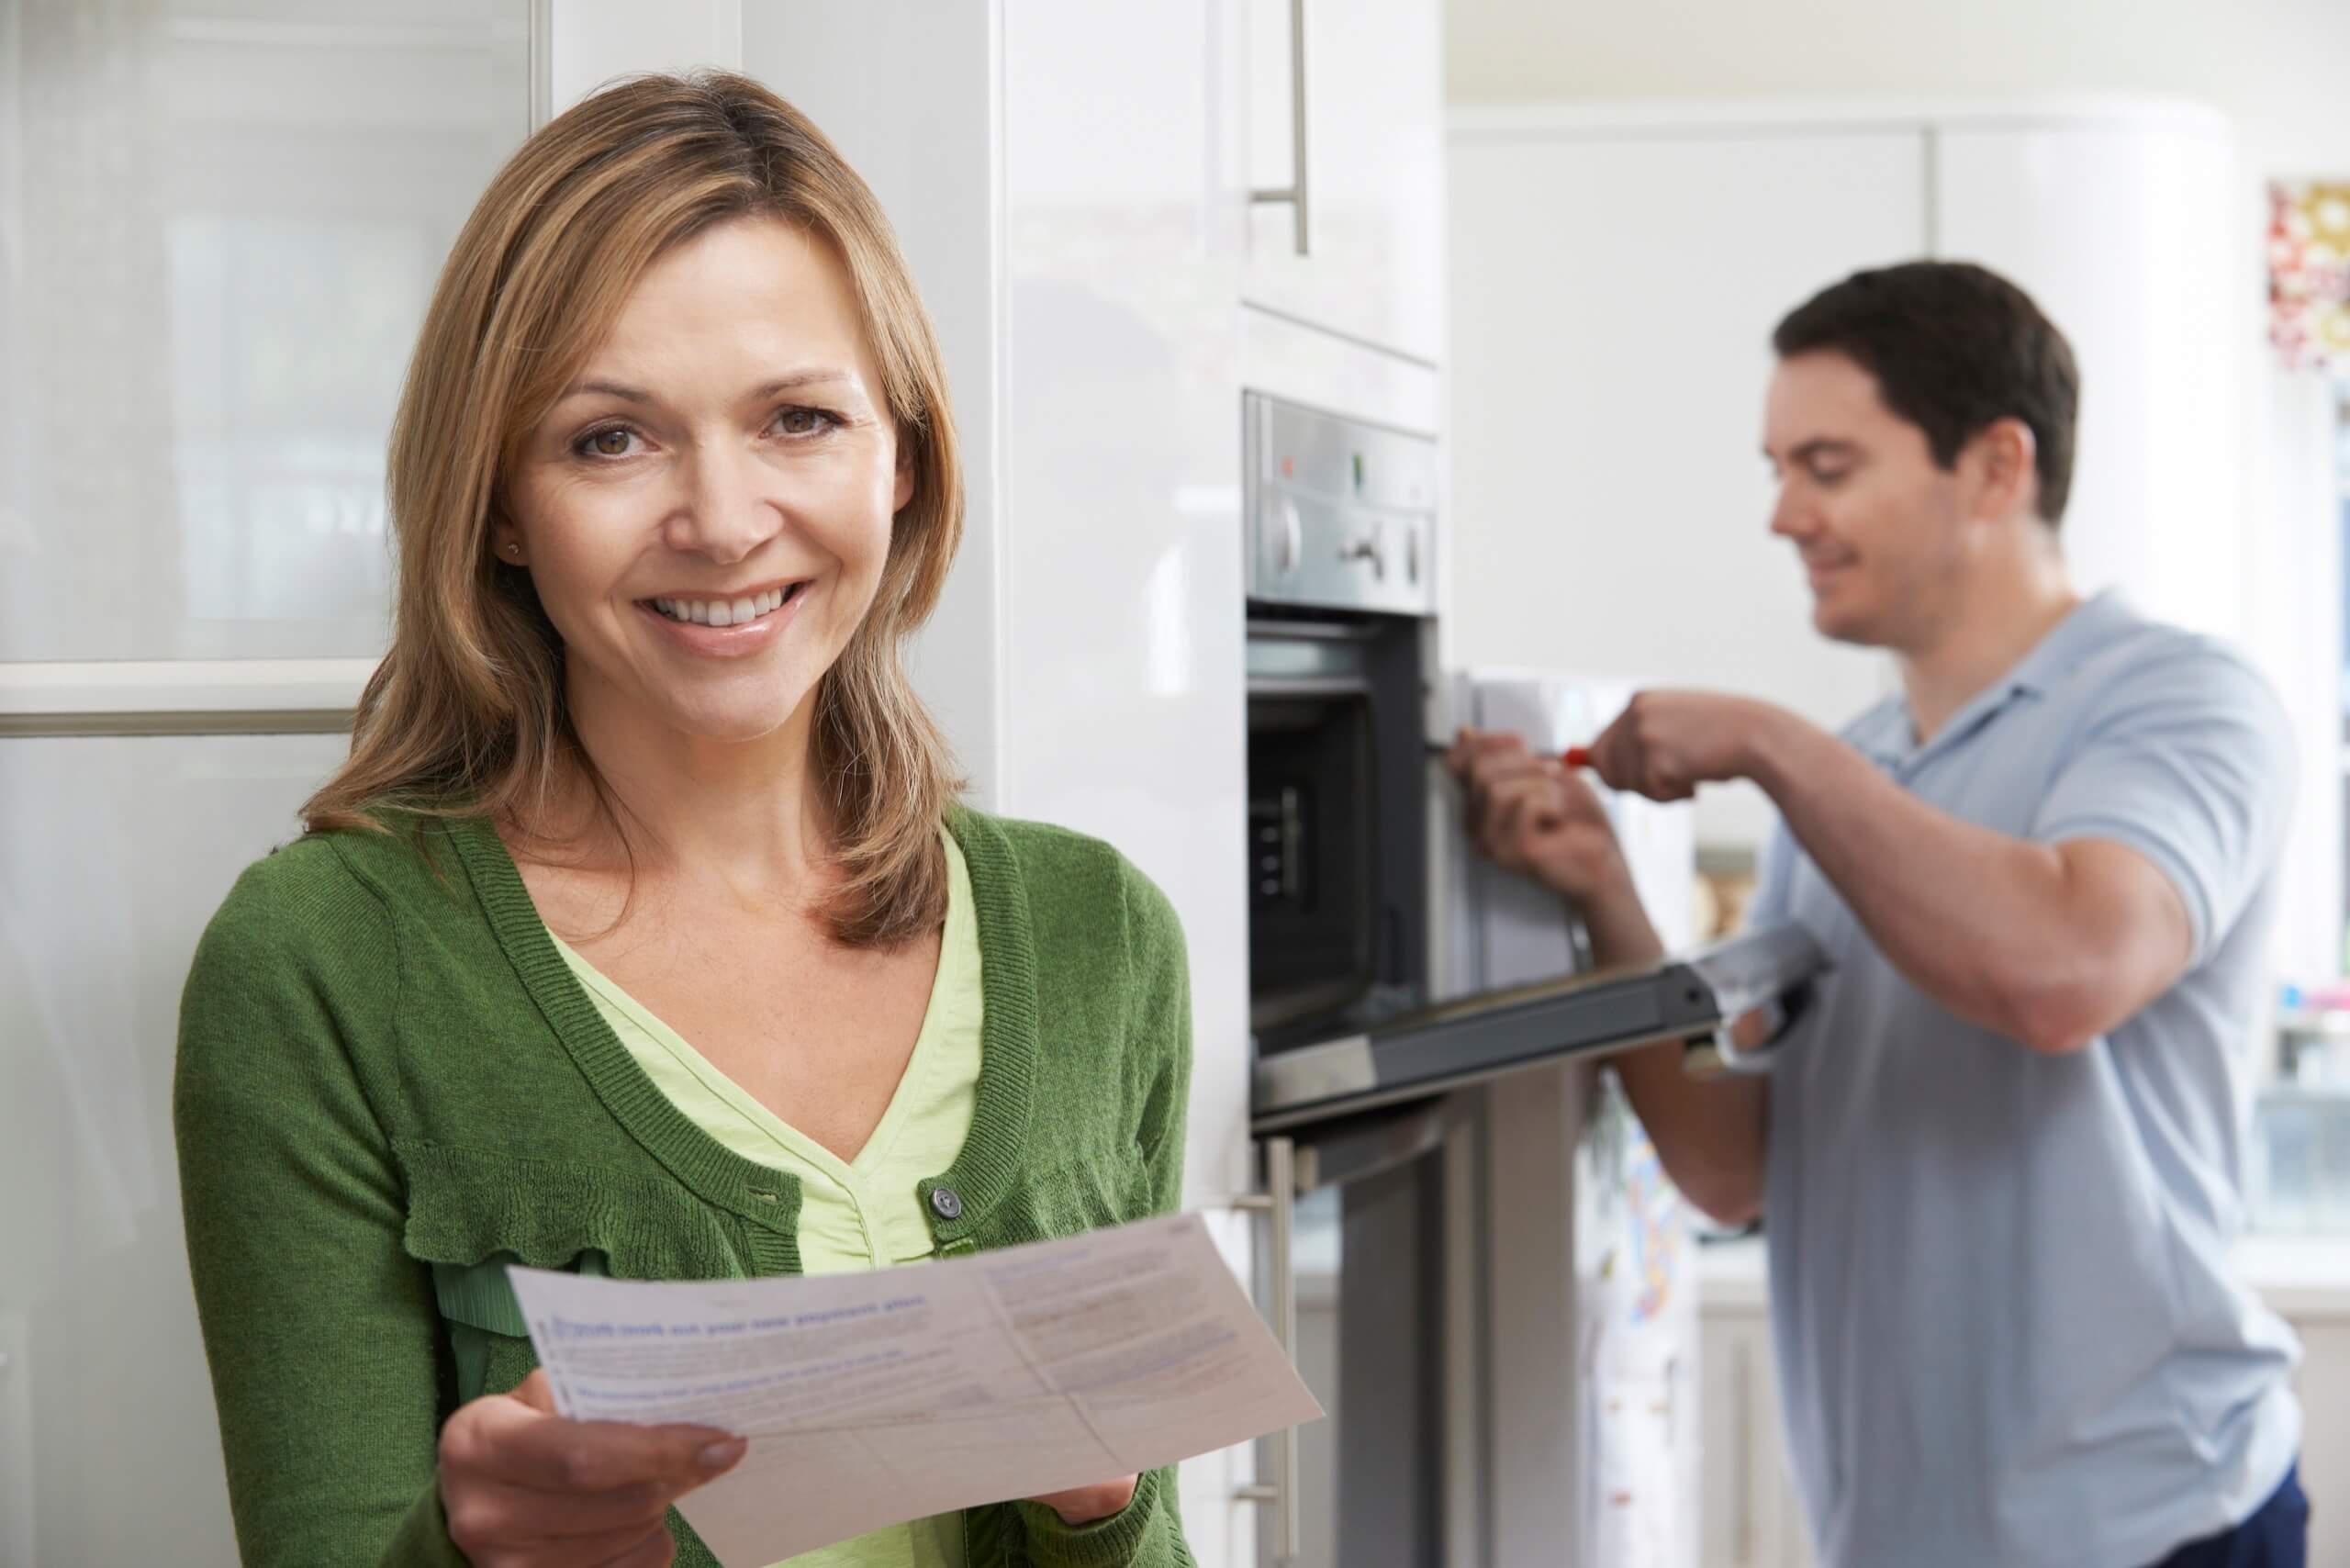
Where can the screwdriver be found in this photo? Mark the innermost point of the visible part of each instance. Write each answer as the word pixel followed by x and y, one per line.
pixel 1574 757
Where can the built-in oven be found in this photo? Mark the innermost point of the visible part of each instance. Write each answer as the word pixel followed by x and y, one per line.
pixel 1415 1128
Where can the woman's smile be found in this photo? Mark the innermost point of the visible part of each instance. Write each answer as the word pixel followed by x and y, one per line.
pixel 726 625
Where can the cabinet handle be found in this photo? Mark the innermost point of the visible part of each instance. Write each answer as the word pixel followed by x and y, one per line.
pixel 1278 1203
pixel 1294 193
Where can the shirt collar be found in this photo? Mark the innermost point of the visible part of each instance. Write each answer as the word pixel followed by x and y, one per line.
pixel 1888 735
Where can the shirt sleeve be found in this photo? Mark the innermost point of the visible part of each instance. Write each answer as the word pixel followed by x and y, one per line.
pixel 1773 903
pixel 2189 761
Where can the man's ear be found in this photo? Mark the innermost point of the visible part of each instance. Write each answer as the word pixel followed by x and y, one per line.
pixel 2001 469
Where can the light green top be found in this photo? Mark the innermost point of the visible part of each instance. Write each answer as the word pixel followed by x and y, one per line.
pixel 865 1213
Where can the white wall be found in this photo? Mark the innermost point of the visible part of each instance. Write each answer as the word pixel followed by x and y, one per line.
pixel 2274 67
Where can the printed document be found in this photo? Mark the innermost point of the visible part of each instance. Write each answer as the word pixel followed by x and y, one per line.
pixel 873 1398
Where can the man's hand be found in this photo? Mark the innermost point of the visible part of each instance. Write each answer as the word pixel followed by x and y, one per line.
pixel 1665 744
pixel 1532 815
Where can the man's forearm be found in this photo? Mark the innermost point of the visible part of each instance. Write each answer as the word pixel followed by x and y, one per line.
pixel 1708 1133
pixel 2002 931
pixel 1621 935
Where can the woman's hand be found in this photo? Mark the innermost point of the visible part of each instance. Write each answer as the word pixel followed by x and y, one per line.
pixel 524 1488
pixel 1088 1505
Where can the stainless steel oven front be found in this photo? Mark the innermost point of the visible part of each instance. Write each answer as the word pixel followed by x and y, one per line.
pixel 1371 1215
pixel 1416 1143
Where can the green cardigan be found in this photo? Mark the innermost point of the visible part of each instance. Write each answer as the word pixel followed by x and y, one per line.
pixel 385 1066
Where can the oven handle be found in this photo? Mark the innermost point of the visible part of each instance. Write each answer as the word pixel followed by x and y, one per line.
pixel 1278 1203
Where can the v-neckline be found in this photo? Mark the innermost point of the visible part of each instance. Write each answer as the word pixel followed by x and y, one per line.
pixel 983 1173
pixel 849 1171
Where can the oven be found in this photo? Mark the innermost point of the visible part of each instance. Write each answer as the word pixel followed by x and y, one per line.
pixel 1416 1253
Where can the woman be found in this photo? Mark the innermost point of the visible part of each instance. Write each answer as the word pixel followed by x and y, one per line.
pixel 641 933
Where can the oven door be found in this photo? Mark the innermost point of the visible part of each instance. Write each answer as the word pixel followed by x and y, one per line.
pixel 1729 1005
pixel 1415 1308
pixel 1372 1274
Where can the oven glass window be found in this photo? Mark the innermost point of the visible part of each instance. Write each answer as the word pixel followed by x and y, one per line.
pixel 1313 892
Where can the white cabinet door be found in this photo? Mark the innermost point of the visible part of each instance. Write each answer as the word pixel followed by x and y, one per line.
pixel 117 851
pixel 1065 181
pixel 2127 238
pixel 1117 566
pixel 244 215
pixel 2323 1384
pixel 592 43
pixel 1372 81
pixel 1612 298
pixel 1750 1515
pixel 234 224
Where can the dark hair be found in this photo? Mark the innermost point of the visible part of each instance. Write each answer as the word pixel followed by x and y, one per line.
pixel 1955 348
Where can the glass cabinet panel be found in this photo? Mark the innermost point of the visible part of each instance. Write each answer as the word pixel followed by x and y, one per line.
pixel 219 223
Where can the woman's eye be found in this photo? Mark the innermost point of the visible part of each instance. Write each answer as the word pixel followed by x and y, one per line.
pixel 612 441
pixel 804 421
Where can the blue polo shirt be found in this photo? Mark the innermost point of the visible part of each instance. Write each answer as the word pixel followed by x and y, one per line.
pixel 2006 1327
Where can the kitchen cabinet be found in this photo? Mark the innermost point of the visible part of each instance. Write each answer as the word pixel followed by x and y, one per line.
pixel 2306 1281
pixel 1616 273
pixel 117 850
pixel 242 220
pixel 1066 191
pixel 248 213
pixel 2324 1384
pixel 2121 231
pixel 1750 1515
pixel 1345 113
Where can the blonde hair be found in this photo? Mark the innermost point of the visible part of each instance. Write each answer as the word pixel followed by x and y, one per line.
pixel 467 715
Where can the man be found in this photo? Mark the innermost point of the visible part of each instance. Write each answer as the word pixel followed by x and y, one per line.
pixel 1998 1162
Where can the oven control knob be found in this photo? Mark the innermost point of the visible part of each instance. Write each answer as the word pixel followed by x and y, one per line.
pixel 1370 547
pixel 1289 542
pixel 1412 557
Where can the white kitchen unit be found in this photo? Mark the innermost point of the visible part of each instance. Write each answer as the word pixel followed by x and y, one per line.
pixel 1616 272
pixel 222 224
pixel 1065 180
pixel 1344 126
pixel 1752 1518
pixel 2320 1313
pixel 2126 228
pixel 1749 1514
pixel 118 849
